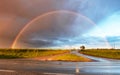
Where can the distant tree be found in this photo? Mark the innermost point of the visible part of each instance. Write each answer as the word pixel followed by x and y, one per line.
pixel 82 47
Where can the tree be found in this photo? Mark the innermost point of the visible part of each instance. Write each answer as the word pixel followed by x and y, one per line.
pixel 82 47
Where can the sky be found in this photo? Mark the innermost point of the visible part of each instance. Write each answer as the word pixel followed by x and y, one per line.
pixel 59 23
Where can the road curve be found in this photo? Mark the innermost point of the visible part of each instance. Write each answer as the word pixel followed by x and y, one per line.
pixel 91 57
pixel 97 59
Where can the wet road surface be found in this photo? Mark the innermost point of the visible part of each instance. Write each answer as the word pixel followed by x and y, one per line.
pixel 34 67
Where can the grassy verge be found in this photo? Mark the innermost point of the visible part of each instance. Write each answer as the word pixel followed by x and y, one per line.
pixel 71 57
pixel 112 54
pixel 28 53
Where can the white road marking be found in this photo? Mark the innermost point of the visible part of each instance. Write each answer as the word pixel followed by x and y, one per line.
pixel 7 70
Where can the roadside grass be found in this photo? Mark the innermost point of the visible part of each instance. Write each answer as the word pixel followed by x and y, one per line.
pixel 71 57
pixel 105 53
pixel 28 53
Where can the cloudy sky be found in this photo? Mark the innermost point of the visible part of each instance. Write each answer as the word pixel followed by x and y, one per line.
pixel 59 23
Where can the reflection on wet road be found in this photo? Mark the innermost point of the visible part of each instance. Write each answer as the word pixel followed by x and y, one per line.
pixel 58 68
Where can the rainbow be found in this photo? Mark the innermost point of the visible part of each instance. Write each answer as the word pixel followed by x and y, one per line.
pixel 49 13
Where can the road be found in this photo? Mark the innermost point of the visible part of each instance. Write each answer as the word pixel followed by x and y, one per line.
pixel 36 67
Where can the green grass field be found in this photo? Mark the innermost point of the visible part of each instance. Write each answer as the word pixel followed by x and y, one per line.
pixel 71 57
pixel 32 53
pixel 28 53
pixel 105 53
pixel 55 55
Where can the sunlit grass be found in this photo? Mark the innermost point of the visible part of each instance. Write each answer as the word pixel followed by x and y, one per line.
pixel 29 53
pixel 71 57
pixel 105 53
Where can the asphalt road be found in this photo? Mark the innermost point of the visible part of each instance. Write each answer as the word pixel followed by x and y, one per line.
pixel 36 67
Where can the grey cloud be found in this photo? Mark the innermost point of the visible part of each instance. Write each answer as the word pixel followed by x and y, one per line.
pixel 15 14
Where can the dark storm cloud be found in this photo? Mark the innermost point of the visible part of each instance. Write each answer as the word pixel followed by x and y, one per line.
pixel 39 43
pixel 88 41
pixel 15 14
